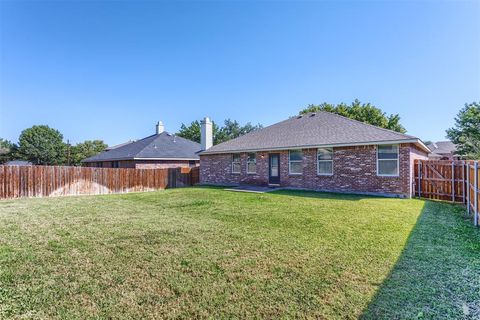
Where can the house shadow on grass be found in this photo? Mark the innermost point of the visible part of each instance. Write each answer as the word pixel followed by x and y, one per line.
pixel 321 195
pixel 438 273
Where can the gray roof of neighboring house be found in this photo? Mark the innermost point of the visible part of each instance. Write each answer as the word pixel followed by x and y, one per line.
pixel 442 147
pixel 313 130
pixel 157 146
pixel 118 145
pixel 18 163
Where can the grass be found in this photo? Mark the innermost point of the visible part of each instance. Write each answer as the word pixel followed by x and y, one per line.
pixel 209 253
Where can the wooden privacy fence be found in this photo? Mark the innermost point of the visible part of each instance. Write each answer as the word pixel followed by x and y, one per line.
pixel 48 181
pixel 455 181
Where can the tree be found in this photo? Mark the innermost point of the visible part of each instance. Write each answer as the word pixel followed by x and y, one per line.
pixel 7 150
pixel 466 131
pixel 427 142
pixel 42 145
pixel 230 130
pixel 86 149
pixel 193 131
pixel 362 112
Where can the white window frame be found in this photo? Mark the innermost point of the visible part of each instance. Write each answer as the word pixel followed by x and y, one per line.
pixel 239 163
pixel 318 163
pixel 290 163
pixel 398 161
pixel 255 161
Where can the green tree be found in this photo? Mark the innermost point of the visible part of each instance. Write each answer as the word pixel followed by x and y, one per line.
pixel 230 130
pixel 193 131
pixel 364 112
pixel 7 150
pixel 466 131
pixel 42 145
pixel 86 149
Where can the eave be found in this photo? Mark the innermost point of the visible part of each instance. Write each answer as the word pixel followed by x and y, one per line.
pixel 415 141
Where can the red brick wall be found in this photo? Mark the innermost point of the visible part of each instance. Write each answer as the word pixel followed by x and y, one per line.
pixel 217 169
pixel 108 164
pixel 354 170
pixel 162 164
pixel 148 164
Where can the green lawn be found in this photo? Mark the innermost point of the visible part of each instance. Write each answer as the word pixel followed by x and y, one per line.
pixel 209 253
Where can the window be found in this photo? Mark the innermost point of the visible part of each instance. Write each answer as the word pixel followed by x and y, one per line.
pixel 387 160
pixel 252 163
pixel 115 164
pixel 295 162
pixel 236 163
pixel 325 161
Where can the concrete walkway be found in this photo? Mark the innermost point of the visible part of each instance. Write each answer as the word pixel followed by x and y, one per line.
pixel 252 189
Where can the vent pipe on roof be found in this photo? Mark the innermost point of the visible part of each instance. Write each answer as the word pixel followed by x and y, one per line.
pixel 160 127
pixel 206 136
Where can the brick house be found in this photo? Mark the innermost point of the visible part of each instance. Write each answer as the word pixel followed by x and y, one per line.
pixel 161 150
pixel 318 151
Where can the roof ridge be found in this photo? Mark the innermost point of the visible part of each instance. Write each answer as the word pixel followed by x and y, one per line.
pixel 181 138
pixel 155 134
pixel 365 123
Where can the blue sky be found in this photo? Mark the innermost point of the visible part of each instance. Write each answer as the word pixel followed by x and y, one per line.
pixel 109 70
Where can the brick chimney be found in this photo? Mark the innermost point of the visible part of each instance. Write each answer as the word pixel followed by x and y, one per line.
pixel 206 133
pixel 160 127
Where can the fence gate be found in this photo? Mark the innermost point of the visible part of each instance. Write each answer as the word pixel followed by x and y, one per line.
pixel 455 181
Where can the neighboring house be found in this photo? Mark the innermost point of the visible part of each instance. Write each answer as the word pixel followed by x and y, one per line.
pixel 319 151
pixel 161 150
pixel 21 163
pixel 443 150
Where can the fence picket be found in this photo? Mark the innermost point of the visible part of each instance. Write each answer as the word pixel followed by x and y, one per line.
pixel 455 181
pixel 46 181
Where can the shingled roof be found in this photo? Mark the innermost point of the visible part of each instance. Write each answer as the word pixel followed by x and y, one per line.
pixel 320 129
pixel 442 147
pixel 163 146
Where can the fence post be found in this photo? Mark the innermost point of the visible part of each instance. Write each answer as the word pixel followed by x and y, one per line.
pixel 463 181
pixel 475 179
pixel 468 188
pixel 453 181
pixel 419 178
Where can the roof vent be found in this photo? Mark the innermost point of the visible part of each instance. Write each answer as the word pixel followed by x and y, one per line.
pixel 313 114
pixel 299 117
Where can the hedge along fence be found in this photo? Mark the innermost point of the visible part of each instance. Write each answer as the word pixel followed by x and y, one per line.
pixel 455 181
pixel 50 181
